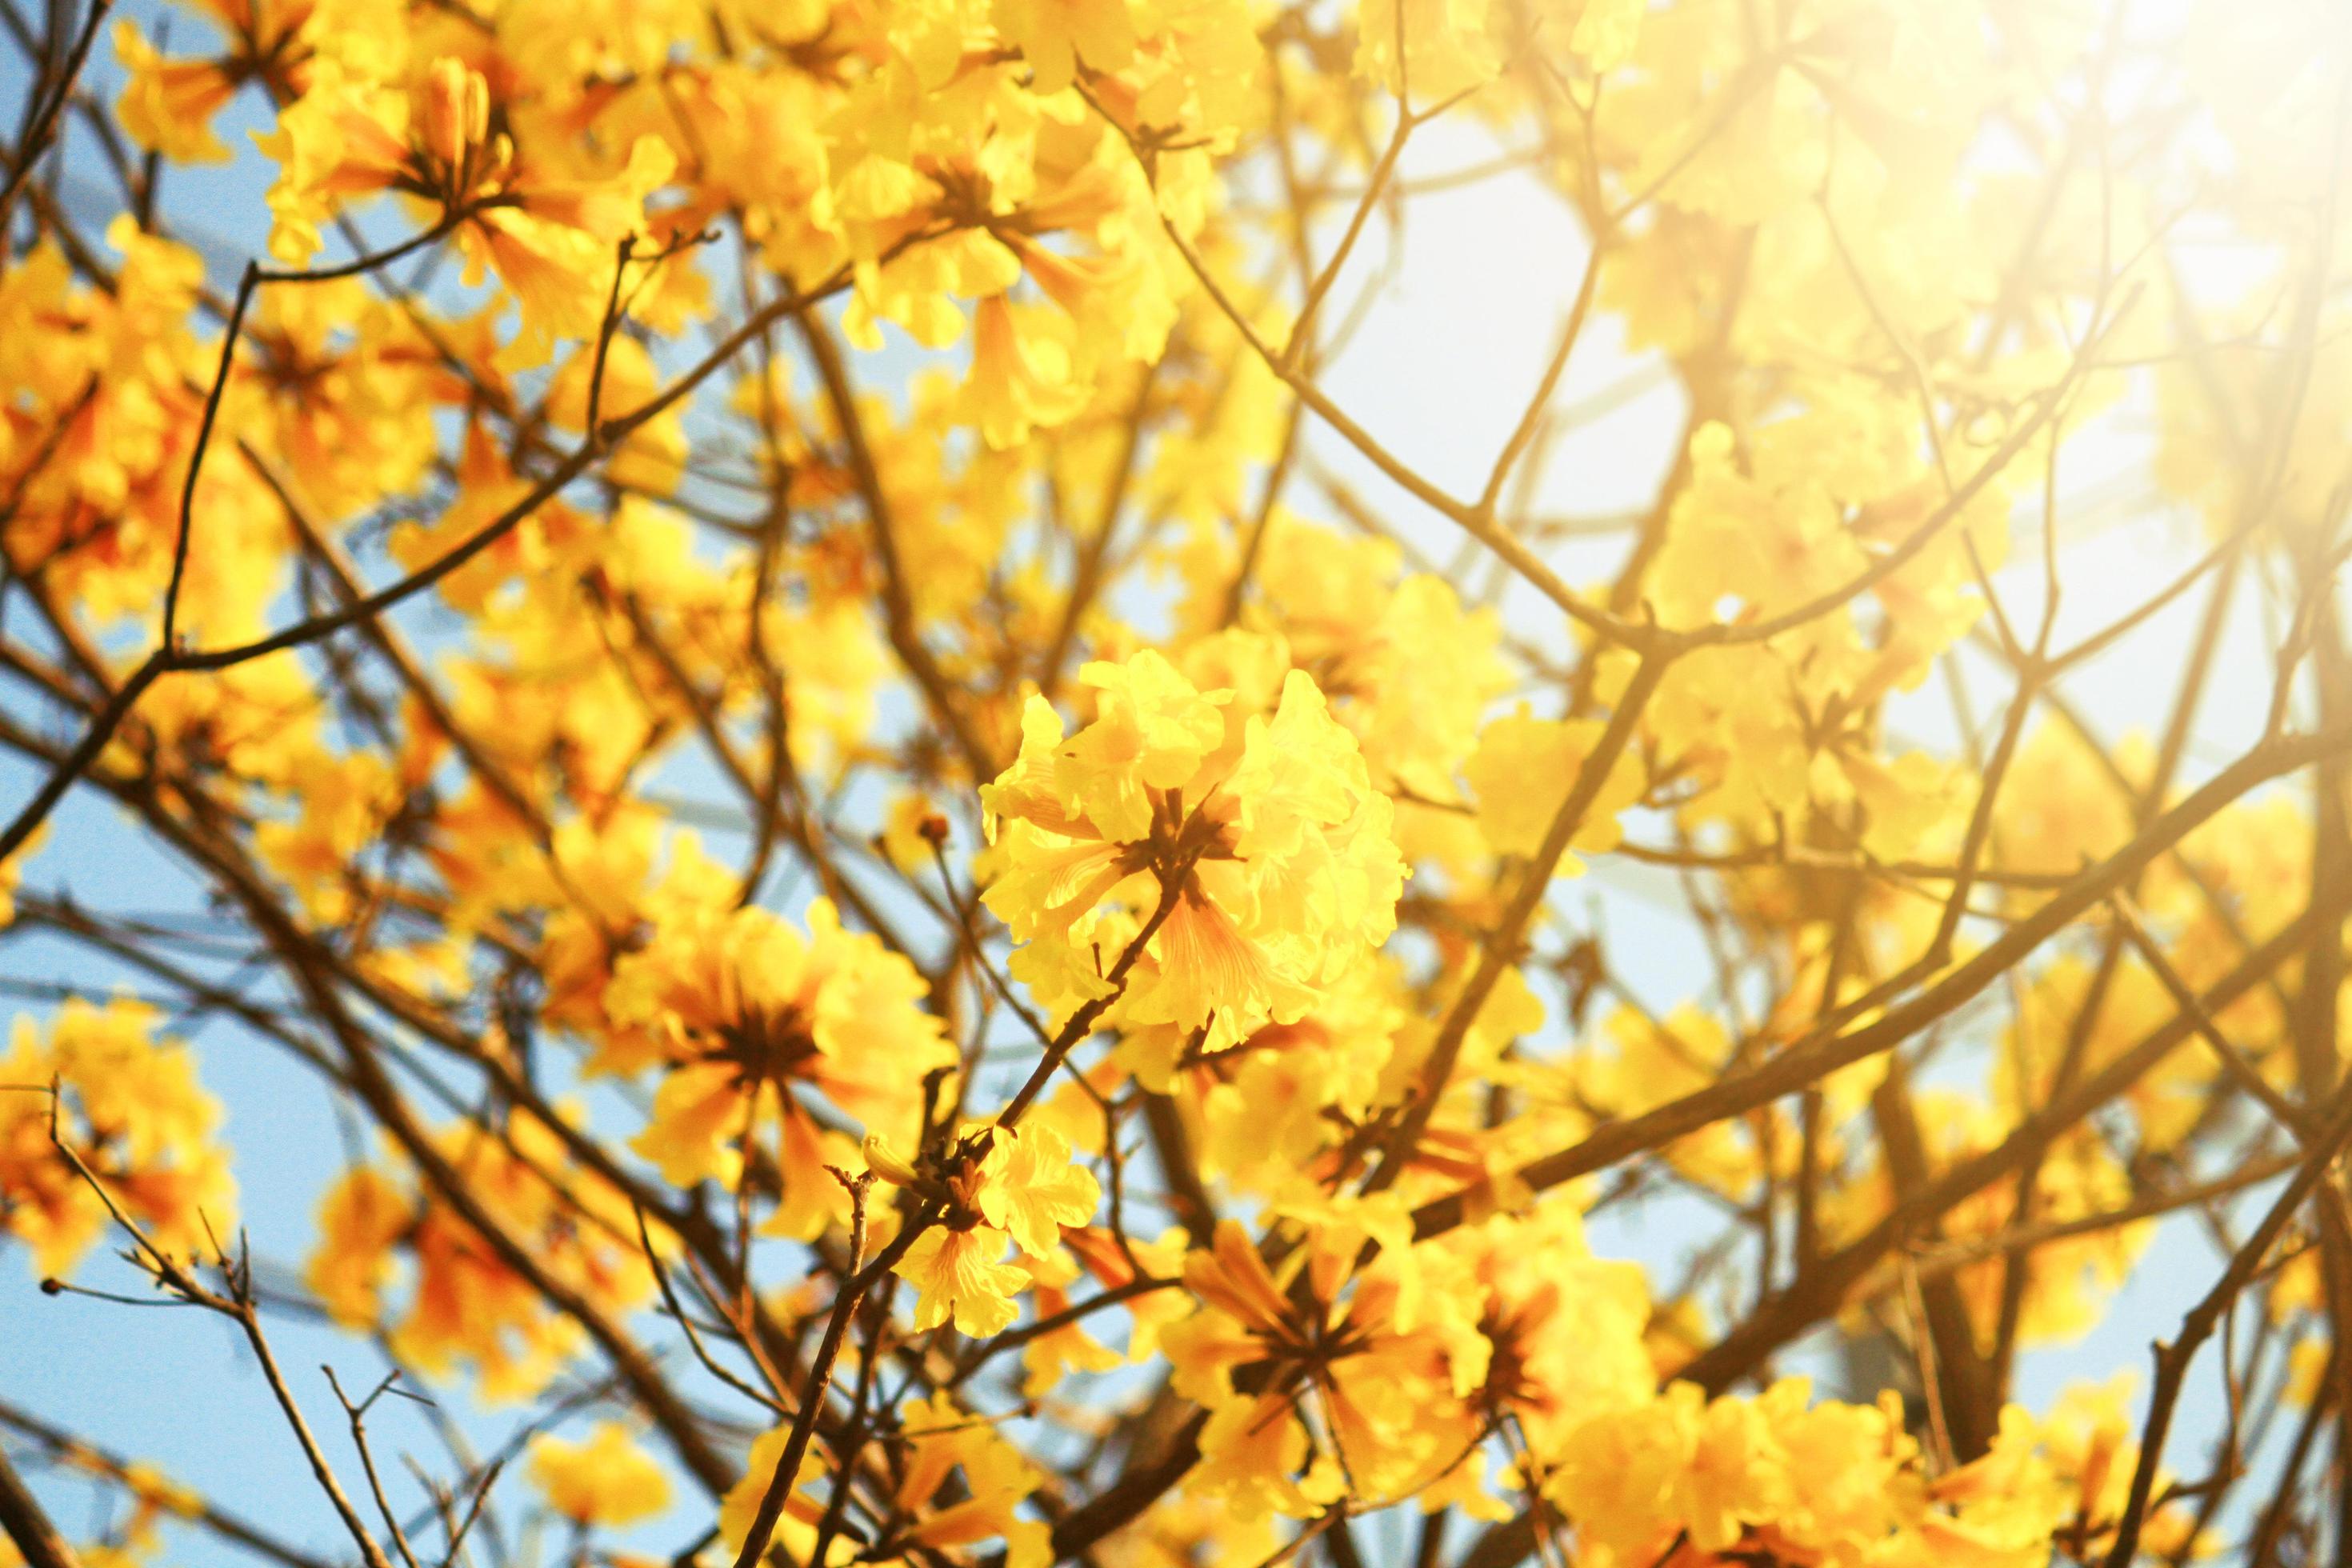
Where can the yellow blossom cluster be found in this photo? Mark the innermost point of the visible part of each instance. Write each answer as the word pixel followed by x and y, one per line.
pixel 1223 866
pixel 103 1118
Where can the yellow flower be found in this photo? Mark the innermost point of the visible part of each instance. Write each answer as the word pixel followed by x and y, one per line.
pixel 1025 372
pixel 360 1218
pixel 1260 843
pixel 1055 35
pixel 1029 1189
pixel 1406 667
pixel 465 1302
pixel 341 138
pixel 167 106
pixel 134 1114
pixel 759 1021
pixel 796 1531
pixel 551 238
pixel 12 873
pixel 1313 1339
pixel 945 1443
pixel 605 1480
pixel 1150 733
pixel 1516 813
pixel 961 1275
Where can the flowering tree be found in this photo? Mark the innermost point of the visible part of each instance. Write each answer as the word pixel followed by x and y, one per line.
pixel 958 916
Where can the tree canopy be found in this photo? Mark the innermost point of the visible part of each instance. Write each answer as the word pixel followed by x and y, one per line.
pixel 960 897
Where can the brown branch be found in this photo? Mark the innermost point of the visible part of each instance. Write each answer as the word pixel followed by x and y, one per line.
pixel 1500 951
pixel 227 1526
pixel 2173 1357
pixel 855 1282
pixel 1817 1056
pixel 25 1523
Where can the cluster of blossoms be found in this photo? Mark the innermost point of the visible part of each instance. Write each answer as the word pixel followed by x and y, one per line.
pixel 129 1107
pixel 1246 856
pixel 1022 1189
pixel 759 1029
pixel 958 1487
pixel 465 1301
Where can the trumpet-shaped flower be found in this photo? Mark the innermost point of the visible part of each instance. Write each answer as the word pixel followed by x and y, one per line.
pixel 1246 858
pixel 759 1025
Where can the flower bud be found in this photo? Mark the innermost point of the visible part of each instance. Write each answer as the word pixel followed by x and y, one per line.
pixel 884 1162
pixel 457 110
